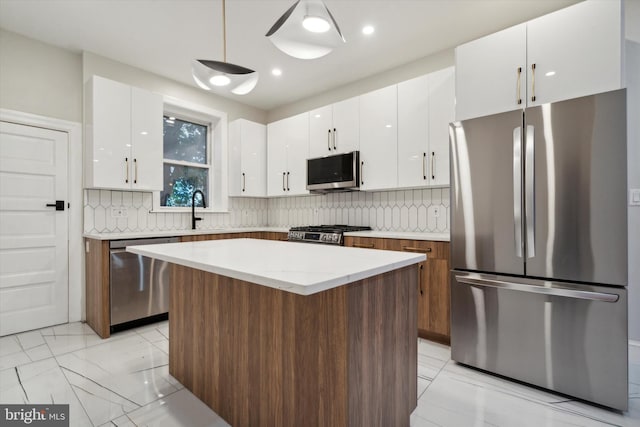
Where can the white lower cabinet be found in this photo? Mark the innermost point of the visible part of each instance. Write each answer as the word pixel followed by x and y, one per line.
pixel 123 136
pixel 287 153
pixel 247 159
pixel 379 139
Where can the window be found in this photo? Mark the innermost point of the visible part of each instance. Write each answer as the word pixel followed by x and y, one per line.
pixel 195 157
pixel 186 164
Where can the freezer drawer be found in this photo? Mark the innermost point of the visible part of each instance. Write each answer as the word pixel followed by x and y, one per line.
pixel 569 338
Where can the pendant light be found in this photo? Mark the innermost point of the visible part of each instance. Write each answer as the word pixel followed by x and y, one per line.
pixel 306 31
pixel 222 74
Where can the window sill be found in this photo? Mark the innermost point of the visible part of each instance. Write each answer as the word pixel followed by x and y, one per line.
pixel 188 210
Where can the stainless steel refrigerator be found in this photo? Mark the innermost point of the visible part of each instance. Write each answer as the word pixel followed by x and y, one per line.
pixel 539 246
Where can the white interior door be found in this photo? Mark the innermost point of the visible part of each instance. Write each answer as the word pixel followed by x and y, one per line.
pixel 33 237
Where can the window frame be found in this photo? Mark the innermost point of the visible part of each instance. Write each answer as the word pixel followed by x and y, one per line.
pixel 216 122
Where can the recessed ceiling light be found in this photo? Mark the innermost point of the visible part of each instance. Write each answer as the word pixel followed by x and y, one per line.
pixel 367 30
pixel 276 72
pixel 550 73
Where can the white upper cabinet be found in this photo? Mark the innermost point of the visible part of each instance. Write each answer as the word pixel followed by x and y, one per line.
pixel 287 153
pixel 425 109
pixel 576 51
pixel 333 129
pixel 379 139
pixel 123 136
pixel 441 112
pixel 413 132
pixel 491 73
pixel 248 159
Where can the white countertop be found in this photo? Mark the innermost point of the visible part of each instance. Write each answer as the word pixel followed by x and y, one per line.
pixel 301 268
pixel 438 237
pixel 170 233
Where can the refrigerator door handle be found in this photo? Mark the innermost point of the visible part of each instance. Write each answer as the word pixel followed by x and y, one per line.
pixel 529 203
pixel 517 189
pixel 569 293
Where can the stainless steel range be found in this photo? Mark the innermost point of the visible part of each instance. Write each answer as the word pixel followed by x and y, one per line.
pixel 329 234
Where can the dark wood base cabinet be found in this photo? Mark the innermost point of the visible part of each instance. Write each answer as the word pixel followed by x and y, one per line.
pixel 259 356
pixel 433 284
pixel 97 304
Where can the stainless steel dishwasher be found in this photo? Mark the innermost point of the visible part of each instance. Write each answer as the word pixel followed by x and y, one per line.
pixel 139 286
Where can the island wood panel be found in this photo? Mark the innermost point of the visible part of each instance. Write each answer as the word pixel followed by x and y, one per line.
pixel 433 285
pixel 97 286
pixel 263 357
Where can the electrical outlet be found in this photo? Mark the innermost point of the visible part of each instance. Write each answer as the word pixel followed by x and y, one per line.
pixel 436 212
pixel 634 197
pixel 120 212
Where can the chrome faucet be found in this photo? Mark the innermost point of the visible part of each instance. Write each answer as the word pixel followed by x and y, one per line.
pixel 193 208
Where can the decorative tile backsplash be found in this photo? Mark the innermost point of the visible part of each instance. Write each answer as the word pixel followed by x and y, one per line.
pixel 421 210
pixel 99 218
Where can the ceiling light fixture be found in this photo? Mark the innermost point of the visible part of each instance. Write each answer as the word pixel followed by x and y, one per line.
pixel 368 30
pixel 307 30
pixel 220 74
pixel 276 72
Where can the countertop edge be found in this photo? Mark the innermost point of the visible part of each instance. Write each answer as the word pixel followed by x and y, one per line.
pixel 413 258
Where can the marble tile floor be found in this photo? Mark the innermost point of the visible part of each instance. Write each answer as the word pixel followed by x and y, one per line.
pixel 124 381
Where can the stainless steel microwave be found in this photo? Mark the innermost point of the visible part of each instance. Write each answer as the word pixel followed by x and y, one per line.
pixel 339 172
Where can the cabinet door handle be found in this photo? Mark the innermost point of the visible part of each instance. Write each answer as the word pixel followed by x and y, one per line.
pixel 420 278
pixel 288 189
pixel 126 166
pixel 433 165
pixel 518 97
pixel 533 82
pixel 329 140
pixel 364 245
pixel 361 176
pixel 335 135
pixel 415 249
pixel 424 165
pixel 135 167
pixel 284 188
pixel 244 181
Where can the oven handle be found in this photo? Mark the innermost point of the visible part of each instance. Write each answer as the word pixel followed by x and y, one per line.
pixel 500 284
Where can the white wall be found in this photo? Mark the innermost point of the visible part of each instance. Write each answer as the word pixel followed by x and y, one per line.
pixel 395 75
pixel 105 67
pixel 40 79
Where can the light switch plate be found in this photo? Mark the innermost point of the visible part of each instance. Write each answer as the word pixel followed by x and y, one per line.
pixel 634 197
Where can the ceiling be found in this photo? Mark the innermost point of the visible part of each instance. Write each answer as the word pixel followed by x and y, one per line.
pixel 163 36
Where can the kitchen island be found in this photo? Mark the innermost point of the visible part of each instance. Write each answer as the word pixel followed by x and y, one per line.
pixel 289 334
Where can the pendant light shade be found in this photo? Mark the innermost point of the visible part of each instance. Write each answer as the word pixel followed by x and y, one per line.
pixel 306 31
pixel 222 75
pixel 217 74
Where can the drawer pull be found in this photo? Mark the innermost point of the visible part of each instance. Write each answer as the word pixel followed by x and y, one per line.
pixel 414 249
pixel 364 245
pixel 420 278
